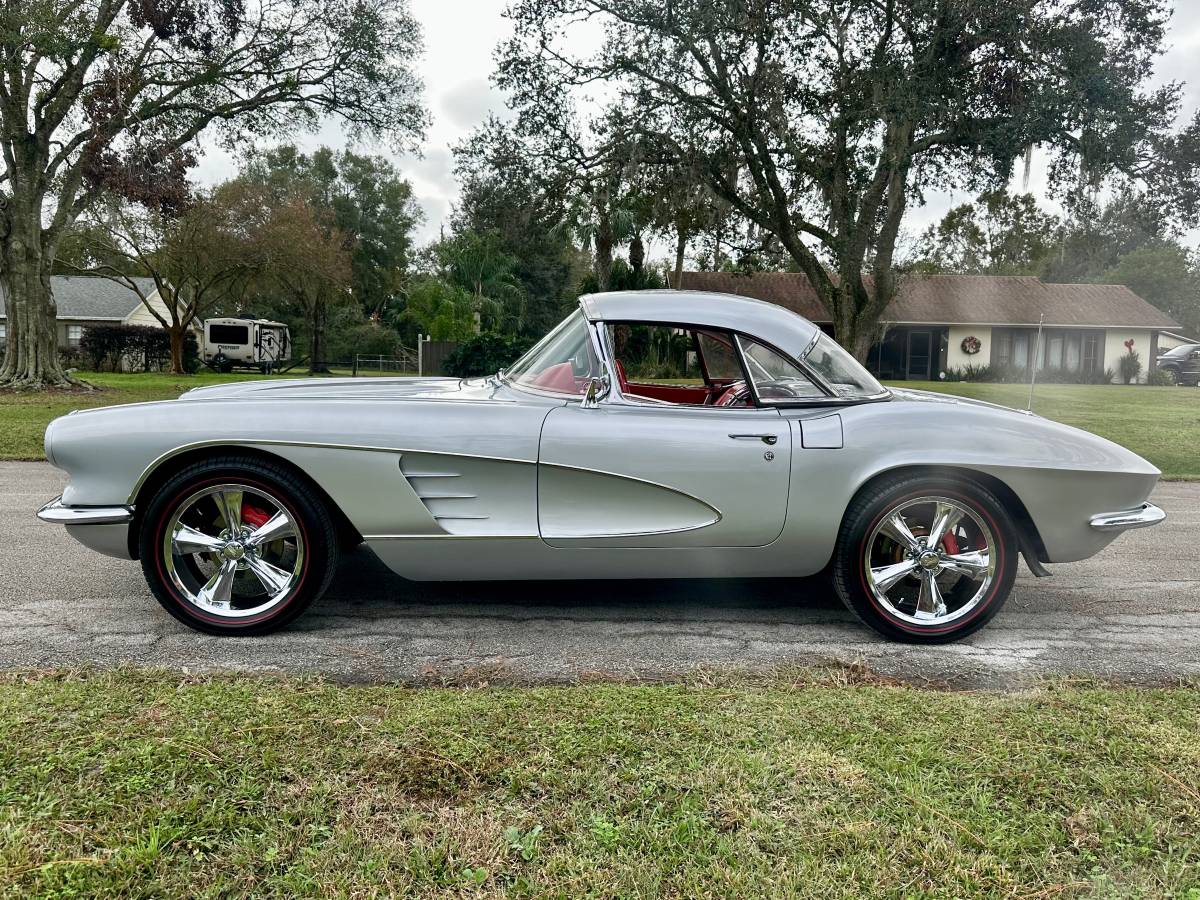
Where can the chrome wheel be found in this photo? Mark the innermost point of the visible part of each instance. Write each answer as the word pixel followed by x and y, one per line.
pixel 930 561
pixel 233 550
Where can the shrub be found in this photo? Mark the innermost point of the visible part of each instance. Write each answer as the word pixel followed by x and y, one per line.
pixel 191 353
pixel 117 347
pixel 363 338
pixel 970 372
pixel 485 354
pixel 1160 378
pixel 1007 374
pixel 1130 364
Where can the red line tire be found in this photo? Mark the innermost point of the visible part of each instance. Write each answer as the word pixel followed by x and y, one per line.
pixel 312 524
pixel 871 506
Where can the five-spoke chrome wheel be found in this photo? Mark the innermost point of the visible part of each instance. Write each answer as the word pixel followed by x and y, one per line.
pixel 930 560
pixel 233 550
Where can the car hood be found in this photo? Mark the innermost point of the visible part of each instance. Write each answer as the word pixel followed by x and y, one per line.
pixel 349 389
pixel 915 396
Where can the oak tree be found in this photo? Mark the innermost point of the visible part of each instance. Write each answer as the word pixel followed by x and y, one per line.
pixel 112 95
pixel 822 121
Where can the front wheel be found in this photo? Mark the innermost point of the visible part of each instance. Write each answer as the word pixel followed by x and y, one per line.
pixel 237 546
pixel 925 560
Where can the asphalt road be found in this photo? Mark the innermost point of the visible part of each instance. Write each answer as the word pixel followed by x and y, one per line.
pixel 1133 613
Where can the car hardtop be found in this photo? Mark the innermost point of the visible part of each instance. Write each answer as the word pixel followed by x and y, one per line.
pixel 772 324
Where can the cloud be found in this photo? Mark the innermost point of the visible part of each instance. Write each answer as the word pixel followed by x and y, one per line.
pixel 467 103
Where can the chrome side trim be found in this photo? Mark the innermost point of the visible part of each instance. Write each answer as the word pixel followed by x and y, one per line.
pixel 632 534
pixel 268 442
pixel 450 537
pixel 1141 517
pixel 56 513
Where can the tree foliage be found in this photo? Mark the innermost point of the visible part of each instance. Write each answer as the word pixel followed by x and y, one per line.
pixel 1000 234
pixel 367 200
pixel 820 121
pixel 196 257
pixel 111 95
pixel 504 192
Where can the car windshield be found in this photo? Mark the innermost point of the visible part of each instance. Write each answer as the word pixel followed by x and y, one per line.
pixel 841 370
pixel 563 362
pixel 1182 350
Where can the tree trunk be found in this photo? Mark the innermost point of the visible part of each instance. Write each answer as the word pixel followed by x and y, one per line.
pixel 31 353
pixel 637 255
pixel 604 261
pixel 317 362
pixel 681 242
pixel 178 333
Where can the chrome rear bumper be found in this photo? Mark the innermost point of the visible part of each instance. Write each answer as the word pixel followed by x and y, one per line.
pixel 56 513
pixel 1141 517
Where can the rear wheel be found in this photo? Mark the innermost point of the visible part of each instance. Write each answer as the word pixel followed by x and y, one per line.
pixel 926 560
pixel 237 546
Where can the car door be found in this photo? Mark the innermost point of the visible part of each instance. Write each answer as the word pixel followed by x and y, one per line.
pixel 646 475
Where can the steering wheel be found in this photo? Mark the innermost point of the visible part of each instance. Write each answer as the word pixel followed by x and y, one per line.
pixel 736 394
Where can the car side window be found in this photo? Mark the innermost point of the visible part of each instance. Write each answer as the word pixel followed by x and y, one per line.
pixel 776 378
pixel 720 358
pixel 655 354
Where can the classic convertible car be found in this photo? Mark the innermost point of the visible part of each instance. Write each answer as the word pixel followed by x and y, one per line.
pixel 654 434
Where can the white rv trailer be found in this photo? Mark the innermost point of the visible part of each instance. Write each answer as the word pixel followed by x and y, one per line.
pixel 245 343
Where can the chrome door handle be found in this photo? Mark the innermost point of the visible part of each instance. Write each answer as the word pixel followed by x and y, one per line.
pixel 765 438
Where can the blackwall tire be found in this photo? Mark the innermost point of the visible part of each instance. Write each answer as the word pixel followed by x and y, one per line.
pixel 237 546
pixel 908 580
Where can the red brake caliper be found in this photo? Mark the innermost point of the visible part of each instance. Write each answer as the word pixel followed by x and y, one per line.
pixel 253 516
pixel 950 542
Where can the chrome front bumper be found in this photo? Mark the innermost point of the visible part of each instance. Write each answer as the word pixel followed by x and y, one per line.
pixel 56 513
pixel 105 529
pixel 1143 516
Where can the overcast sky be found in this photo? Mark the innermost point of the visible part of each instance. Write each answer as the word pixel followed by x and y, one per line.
pixel 460 37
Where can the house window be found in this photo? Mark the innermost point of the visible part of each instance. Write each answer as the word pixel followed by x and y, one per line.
pixel 1092 359
pixel 1020 349
pixel 1074 343
pixel 1002 347
pixel 1053 356
pixel 74 335
pixel 3 333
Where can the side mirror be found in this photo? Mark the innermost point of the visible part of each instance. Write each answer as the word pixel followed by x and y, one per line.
pixel 597 390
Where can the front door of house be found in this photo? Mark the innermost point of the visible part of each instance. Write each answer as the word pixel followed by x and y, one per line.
pixel 920 351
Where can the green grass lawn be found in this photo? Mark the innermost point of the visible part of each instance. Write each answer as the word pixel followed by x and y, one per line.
pixel 24 416
pixel 1160 423
pixel 139 785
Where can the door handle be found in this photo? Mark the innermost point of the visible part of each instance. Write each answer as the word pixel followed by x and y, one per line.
pixel 771 439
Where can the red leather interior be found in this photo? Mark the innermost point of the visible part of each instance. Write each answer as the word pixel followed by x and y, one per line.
pixel 621 379
pixel 560 378
pixel 694 394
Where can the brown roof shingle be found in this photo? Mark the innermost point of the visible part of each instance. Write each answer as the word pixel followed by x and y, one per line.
pixel 958 299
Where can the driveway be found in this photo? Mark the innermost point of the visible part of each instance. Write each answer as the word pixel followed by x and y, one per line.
pixel 1133 613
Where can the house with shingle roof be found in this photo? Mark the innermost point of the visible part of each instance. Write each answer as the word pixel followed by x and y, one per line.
pixel 85 300
pixel 938 322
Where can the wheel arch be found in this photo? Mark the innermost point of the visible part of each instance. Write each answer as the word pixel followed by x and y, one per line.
pixel 165 468
pixel 1032 546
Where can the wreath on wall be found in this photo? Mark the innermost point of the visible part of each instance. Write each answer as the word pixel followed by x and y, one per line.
pixel 971 345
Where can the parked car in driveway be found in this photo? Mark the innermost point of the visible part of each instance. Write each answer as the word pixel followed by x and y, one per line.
pixel 1182 364
pixel 651 434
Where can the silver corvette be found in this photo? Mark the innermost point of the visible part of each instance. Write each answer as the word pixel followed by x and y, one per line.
pixel 652 434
